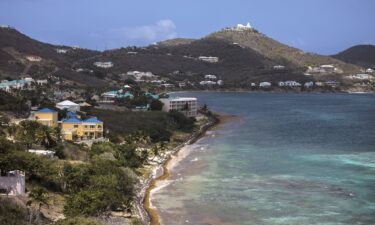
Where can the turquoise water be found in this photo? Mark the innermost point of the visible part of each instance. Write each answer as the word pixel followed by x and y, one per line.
pixel 289 159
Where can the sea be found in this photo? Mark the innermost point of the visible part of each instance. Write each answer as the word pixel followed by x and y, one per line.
pixel 276 159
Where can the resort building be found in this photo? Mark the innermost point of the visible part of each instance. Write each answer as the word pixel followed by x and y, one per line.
pixel 68 105
pixel 7 86
pixel 77 129
pixel 46 117
pixel 187 106
pixel 328 68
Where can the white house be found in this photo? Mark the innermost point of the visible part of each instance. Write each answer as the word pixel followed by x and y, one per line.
pixel 369 70
pixel 187 106
pixel 220 82
pixel 292 83
pixel 138 75
pixel 210 77
pixel 42 82
pixel 104 65
pixel 328 68
pixel 61 51
pixel 362 76
pixel 47 153
pixel 265 84
pixel 207 83
pixel 68 105
pixel 241 27
pixel 281 84
pixel 309 84
pixel 33 58
pixel 278 67
pixel 209 59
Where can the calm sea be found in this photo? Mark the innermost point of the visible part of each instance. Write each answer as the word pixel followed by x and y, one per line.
pixel 288 159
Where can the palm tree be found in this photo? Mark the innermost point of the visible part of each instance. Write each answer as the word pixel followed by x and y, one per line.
pixel 46 136
pixel 38 197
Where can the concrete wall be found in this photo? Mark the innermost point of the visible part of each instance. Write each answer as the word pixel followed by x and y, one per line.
pixel 16 183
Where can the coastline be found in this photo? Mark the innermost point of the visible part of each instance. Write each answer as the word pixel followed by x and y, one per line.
pixel 146 212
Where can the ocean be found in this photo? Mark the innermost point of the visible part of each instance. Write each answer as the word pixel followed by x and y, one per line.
pixel 284 159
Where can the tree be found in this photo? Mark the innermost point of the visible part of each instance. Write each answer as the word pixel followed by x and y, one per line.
pixel 38 197
pixel 47 136
pixel 156 105
pixel 11 213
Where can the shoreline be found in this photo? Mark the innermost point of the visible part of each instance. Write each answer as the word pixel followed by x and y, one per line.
pixel 147 213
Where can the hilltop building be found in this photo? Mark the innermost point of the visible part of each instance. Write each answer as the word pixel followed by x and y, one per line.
pixel 265 84
pixel 187 106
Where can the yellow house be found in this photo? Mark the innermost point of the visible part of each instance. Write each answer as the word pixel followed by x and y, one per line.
pixel 74 128
pixel 46 117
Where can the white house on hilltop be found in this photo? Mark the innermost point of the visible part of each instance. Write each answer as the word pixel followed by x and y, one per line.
pixel 209 59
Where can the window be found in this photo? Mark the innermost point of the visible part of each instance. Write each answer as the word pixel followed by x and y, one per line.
pixel 92 126
pixel 75 126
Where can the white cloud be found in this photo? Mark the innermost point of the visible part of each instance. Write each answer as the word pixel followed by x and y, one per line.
pixel 146 34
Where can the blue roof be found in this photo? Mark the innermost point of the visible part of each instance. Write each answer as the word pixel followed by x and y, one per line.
pixel 71 114
pixel 46 110
pixel 72 120
pixel 92 120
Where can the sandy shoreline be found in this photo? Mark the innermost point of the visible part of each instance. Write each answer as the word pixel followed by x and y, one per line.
pixel 148 213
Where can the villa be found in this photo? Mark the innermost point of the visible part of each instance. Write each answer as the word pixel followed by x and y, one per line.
pixel 210 77
pixel 72 127
pixel 279 67
pixel 187 106
pixel 61 51
pixel 77 129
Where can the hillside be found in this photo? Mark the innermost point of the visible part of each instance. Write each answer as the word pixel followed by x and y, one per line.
pixel 241 56
pixel 15 47
pixel 276 50
pixel 361 55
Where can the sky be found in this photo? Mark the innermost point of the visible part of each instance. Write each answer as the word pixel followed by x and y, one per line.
pixel 319 26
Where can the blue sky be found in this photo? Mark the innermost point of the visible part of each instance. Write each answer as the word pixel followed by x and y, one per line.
pixel 320 26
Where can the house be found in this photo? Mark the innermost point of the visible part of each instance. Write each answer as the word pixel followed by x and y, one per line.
pixel 265 84
pixel 42 82
pixel 207 83
pixel 85 104
pixel 241 27
pixel 111 95
pixel 77 129
pixel 210 77
pixel 46 117
pixel 182 84
pixel 362 76
pixel 16 84
pixel 319 84
pixel 328 68
pixel 281 84
pixel 369 70
pixel 308 84
pixel 278 67
pixel 166 85
pixel 68 105
pixel 138 75
pixel 148 94
pixel 253 85
pixel 332 83
pixel 292 83
pixel 104 65
pixel 13 182
pixel 220 82
pixel 47 153
pixel 33 58
pixel 187 106
pixel 209 59
pixel 61 51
